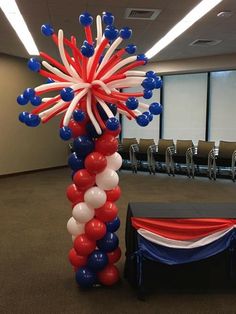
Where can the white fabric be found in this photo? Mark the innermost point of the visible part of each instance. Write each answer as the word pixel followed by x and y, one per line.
pixel 179 244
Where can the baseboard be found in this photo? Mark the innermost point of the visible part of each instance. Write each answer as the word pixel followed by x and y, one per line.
pixel 31 171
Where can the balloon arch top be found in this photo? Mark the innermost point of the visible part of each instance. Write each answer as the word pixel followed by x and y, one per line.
pixel 90 87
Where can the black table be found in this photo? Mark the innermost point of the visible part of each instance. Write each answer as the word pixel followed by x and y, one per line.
pixel 214 272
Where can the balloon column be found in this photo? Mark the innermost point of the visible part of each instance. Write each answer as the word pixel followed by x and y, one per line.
pixel 88 87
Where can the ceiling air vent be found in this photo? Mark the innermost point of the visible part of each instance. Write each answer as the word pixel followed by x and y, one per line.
pixel 141 14
pixel 205 42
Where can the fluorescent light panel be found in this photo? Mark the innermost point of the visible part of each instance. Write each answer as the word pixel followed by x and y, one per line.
pixel 192 17
pixel 12 12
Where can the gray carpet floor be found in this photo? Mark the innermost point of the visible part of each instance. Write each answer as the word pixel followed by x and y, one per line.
pixel 35 276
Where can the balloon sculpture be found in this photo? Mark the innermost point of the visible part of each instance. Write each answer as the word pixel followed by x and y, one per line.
pixel 88 90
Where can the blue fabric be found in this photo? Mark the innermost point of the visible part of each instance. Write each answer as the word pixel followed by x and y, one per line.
pixel 173 256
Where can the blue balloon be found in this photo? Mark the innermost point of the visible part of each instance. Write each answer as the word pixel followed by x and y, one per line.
pixel 75 163
pixel 34 64
pixel 158 82
pixel 72 174
pixel 142 57
pixel 65 133
pixel 87 50
pixel 97 260
pixel 83 145
pixel 149 115
pixel 108 18
pixel 112 124
pixel 79 115
pixel 47 30
pixel 91 131
pixel 85 19
pixel 49 80
pixel 149 83
pixel 111 32
pixel 155 108
pixel 131 49
pixel 67 94
pixel 100 59
pixel 108 243
pixel 113 108
pixel 22 116
pixel 22 100
pixel 32 120
pixel 29 93
pixel 102 112
pixel 151 74
pixel 132 103
pixel 147 93
pixel 85 277
pixel 113 226
pixel 36 101
pixel 125 33
pixel 142 120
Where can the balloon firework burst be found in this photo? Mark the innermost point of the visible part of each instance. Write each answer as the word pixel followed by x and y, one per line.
pixel 89 79
pixel 90 86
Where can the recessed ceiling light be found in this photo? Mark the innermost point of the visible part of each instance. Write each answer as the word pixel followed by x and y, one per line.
pixel 17 21
pixel 224 14
pixel 192 17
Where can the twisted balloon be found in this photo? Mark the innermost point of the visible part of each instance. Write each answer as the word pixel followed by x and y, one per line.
pixel 91 79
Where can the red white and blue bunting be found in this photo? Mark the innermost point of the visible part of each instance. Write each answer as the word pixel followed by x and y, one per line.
pixel 179 241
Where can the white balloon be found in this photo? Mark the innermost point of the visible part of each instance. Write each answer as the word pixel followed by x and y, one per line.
pixel 82 212
pixel 95 197
pixel 74 228
pixel 107 179
pixel 73 238
pixel 114 161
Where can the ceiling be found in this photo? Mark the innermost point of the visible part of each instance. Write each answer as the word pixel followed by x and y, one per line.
pixel 64 14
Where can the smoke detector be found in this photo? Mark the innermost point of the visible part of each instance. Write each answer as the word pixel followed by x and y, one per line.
pixel 141 14
pixel 205 42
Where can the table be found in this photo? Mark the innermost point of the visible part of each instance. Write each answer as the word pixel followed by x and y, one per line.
pixel 213 272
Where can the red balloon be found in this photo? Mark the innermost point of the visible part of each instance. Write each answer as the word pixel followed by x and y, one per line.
pixel 74 194
pixel 95 229
pixel 107 212
pixel 114 256
pixel 114 194
pixel 83 245
pixel 95 162
pixel 76 128
pixel 77 260
pixel 113 133
pixel 83 179
pixel 106 144
pixel 109 275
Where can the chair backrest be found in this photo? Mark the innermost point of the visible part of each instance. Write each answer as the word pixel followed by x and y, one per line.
pixel 163 145
pixel 226 149
pixel 144 144
pixel 127 142
pixel 204 147
pixel 182 146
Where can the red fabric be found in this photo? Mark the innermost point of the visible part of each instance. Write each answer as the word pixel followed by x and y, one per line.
pixel 182 229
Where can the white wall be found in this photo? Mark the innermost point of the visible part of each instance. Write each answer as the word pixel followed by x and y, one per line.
pixel 223 106
pixel 23 148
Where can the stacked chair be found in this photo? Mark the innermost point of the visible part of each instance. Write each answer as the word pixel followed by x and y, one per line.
pixel 203 155
pixel 166 156
pixel 141 153
pixel 160 156
pixel 124 150
pixel 181 155
pixel 226 157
